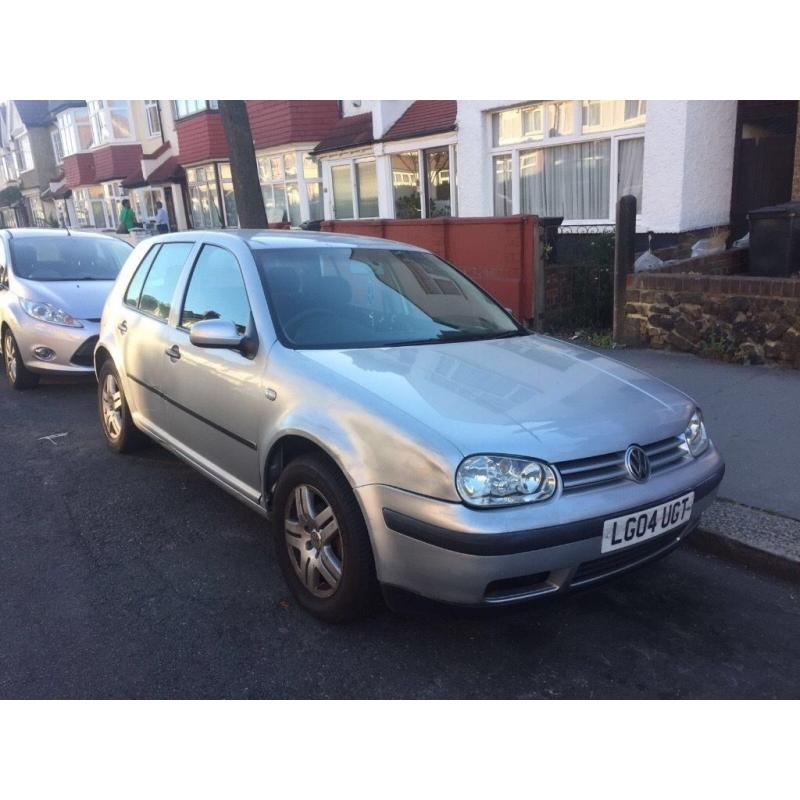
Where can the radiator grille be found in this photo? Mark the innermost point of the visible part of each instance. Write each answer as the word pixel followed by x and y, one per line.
pixel 585 473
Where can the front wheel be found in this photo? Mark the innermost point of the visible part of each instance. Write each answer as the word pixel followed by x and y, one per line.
pixel 121 433
pixel 19 376
pixel 321 541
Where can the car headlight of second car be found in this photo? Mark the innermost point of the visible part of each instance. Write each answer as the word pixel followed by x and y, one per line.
pixel 49 313
pixel 497 480
pixel 696 434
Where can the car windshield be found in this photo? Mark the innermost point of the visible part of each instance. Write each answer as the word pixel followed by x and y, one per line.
pixel 68 258
pixel 361 297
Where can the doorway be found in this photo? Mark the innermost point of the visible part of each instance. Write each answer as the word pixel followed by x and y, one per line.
pixel 763 162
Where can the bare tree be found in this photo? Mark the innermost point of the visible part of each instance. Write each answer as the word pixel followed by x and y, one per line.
pixel 244 171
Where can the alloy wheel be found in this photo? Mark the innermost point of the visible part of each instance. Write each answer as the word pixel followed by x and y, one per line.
pixel 313 540
pixel 111 399
pixel 11 358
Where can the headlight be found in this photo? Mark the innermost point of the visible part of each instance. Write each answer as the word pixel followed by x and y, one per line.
pixel 47 313
pixel 504 481
pixel 696 435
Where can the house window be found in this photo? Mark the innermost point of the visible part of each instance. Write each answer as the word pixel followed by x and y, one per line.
pixel 110 120
pixel 35 211
pixel 355 189
pixel 502 186
pixel 405 184
pixel 58 150
pixel 144 202
pixel 313 180
pixel 114 194
pixel 568 171
pixel 279 187
pixel 23 154
pixel 228 197
pixel 75 131
pixel 569 181
pixel 437 182
pixel 630 163
pixel 153 118
pixel 202 184
pixel 184 108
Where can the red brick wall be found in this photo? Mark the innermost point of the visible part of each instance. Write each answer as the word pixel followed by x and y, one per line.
pixel 78 169
pixel 277 122
pixel 201 138
pixel 498 253
pixel 116 161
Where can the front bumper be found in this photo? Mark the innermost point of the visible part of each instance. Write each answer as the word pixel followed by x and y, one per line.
pixel 73 347
pixel 455 554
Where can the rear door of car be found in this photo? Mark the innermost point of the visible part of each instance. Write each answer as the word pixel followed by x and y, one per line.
pixel 141 329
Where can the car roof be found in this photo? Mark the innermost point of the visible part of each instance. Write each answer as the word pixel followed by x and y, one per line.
pixel 282 239
pixel 25 233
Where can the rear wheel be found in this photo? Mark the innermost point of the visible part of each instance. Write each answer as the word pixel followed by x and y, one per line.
pixel 121 433
pixel 19 376
pixel 321 541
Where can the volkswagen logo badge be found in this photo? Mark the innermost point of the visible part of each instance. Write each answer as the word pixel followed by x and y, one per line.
pixel 637 463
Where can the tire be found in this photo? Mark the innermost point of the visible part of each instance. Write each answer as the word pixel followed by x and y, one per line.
pixel 19 376
pixel 331 500
pixel 120 432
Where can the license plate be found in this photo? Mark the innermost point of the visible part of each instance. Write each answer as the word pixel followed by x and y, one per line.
pixel 632 528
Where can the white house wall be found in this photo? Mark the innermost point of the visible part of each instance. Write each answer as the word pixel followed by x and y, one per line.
pixel 688 162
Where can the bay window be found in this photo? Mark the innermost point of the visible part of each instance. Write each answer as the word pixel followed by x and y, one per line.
pixel 185 108
pixel 291 184
pixel 405 185
pixel 228 197
pixel 437 172
pixel 144 202
pixel 355 189
pixel 58 150
pixel 313 181
pixel 90 207
pixel 110 120
pixel 563 166
pixel 74 131
pixel 421 182
pixel 201 184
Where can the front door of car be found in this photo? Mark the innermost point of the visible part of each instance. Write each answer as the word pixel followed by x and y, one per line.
pixel 141 330
pixel 216 395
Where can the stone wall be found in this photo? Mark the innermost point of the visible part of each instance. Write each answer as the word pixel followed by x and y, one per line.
pixel 730 317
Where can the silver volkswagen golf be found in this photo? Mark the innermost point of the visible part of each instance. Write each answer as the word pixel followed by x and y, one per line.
pixel 399 429
pixel 53 284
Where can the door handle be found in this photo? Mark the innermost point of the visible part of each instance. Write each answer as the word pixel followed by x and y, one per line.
pixel 123 327
pixel 173 352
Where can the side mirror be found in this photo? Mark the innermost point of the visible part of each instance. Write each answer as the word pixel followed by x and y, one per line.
pixel 215 333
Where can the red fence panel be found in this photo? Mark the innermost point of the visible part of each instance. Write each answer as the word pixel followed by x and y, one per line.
pixel 498 253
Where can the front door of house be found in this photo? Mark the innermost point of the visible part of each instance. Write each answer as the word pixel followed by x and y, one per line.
pixel 766 132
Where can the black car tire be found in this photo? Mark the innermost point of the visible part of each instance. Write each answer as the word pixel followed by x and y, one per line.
pixel 355 594
pixel 22 378
pixel 129 437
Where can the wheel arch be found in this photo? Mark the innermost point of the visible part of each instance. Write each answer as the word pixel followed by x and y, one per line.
pixel 101 355
pixel 287 448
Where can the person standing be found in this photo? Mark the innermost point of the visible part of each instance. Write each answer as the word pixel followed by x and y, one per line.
pixel 127 219
pixel 162 219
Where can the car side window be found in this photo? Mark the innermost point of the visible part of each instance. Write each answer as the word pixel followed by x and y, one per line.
pixel 216 290
pixel 162 278
pixel 137 281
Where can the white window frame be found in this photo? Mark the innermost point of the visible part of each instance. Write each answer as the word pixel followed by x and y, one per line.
pixel 197 107
pixel 68 124
pixel 300 179
pixel 102 125
pixel 627 131
pixel 351 163
pixel 153 117
pixel 58 149
pixel 23 154
pixel 419 146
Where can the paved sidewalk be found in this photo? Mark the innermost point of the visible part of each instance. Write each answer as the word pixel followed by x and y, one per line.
pixel 753 415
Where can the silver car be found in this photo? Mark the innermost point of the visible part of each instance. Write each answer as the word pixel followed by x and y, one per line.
pixel 53 284
pixel 399 428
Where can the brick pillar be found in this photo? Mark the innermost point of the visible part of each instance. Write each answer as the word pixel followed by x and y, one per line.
pixel 796 178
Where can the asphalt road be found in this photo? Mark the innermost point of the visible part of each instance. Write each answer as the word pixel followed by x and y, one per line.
pixel 135 577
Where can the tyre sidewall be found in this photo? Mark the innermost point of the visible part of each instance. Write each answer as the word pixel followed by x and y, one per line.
pixel 356 589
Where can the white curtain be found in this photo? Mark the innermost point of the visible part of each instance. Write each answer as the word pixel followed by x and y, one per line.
pixel 570 180
pixel 631 160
